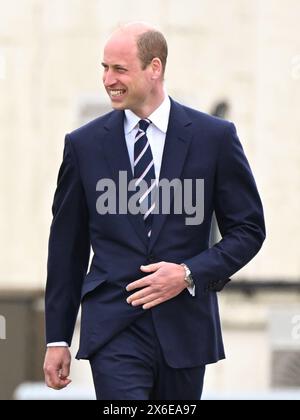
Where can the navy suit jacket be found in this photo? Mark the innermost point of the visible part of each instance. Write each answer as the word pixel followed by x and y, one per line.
pixel 197 146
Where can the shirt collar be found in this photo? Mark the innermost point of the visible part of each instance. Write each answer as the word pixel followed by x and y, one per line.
pixel 160 117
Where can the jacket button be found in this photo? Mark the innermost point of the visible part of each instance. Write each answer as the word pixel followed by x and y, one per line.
pixel 151 259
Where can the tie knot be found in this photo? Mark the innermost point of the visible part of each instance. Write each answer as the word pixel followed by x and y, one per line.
pixel 144 124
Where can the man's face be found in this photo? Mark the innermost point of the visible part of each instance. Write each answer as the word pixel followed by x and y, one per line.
pixel 128 86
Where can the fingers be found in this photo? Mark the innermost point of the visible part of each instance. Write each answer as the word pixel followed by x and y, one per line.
pixel 57 367
pixel 55 379
pixel 151 267
pixel 154 302
pixel 145 281
pixel 65 370
pixel 140 294
pixel 165 282
pixel 144 300
pixel 150 301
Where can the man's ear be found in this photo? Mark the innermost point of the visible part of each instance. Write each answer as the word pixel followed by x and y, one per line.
pixel 156 65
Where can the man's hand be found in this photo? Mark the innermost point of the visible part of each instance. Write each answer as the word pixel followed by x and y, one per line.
pixel 57 367
pixel 165 282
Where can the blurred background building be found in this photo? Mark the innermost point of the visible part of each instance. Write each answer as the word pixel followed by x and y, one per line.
pixel 239 59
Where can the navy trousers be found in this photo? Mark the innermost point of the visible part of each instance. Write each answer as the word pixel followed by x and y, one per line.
pixel 131 367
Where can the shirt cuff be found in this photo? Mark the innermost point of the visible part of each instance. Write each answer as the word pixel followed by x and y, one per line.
pixel 192 290
pixel 58 344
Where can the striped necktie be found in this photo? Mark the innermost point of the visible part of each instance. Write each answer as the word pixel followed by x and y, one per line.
pixel 144 170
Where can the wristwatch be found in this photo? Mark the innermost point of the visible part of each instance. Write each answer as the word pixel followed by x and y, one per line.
pixel 188 276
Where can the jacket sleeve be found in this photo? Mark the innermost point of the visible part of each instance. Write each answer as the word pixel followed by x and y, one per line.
pixel 239 215
pixel 68 252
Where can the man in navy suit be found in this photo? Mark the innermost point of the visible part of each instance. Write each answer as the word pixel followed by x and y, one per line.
pixel 149 321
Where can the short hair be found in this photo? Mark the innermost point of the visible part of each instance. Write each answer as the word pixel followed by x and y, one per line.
pixel 152 44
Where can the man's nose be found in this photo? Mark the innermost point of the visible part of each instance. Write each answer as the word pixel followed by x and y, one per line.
pixel 109 78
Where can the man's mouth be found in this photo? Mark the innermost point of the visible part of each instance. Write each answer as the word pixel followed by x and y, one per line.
pixel 115 93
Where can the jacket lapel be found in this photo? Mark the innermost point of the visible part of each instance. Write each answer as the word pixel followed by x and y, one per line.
pixel 175 150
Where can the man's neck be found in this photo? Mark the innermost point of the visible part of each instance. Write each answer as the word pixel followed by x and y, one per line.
pixel 146 111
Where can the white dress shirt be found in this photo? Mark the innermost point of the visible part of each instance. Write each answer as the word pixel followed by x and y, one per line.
pixel 156 134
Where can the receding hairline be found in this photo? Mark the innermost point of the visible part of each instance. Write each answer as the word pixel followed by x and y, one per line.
pixel 149 41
